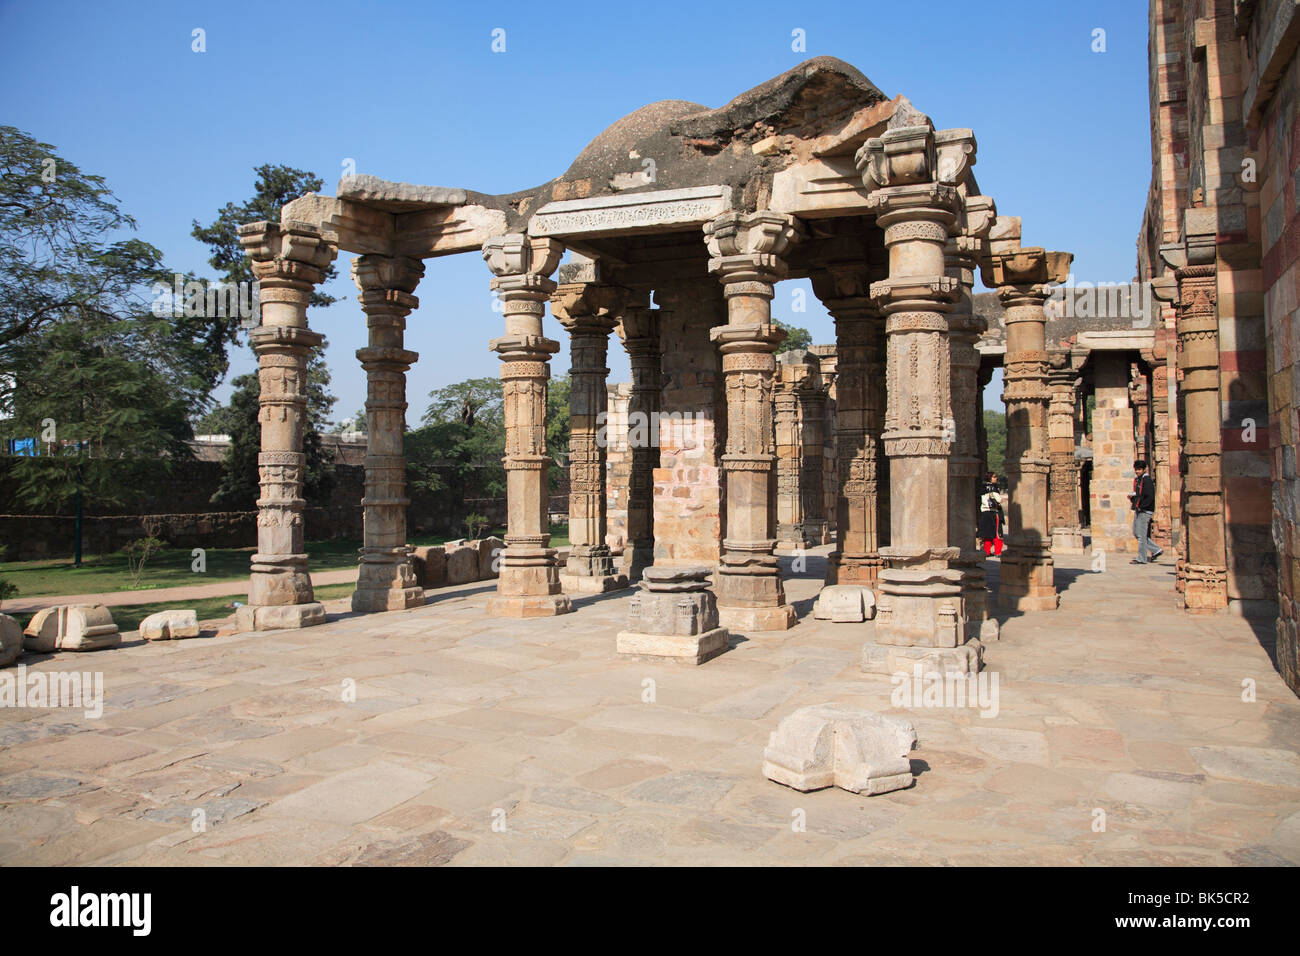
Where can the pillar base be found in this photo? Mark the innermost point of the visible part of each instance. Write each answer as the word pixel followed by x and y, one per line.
pixel 528 605
pixel 682 648
pixel 889 660
pixel 1067 541
pixel 854 569
pixel 369 600
pixel 1205 587
pixel 779 618
pixel 1027 581
pixel 271 617
pixel 592 584
pixel 920 607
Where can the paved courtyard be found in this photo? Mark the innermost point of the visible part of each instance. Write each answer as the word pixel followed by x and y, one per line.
pixel 1121 737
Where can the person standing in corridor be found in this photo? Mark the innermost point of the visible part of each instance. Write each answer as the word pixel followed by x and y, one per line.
pixel 1143 502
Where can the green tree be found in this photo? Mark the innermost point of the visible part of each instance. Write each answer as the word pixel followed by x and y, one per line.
pixel 475 400
pixel 557 426
pixel 795 337
pixel 87 362
pixel 995 431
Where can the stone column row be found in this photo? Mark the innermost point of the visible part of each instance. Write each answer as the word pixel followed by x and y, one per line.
pixel 639 331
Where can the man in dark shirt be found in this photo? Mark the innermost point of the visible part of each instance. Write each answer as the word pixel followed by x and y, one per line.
pixel 1143 501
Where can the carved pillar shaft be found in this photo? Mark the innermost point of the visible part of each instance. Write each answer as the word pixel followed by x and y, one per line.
pixel 288 259
pixel 1022 278
pixel 1203 573
pixel 639 331
pixel 529 583
pixel 975 218
pixel 386 581
pixel 859 420
pixel 921 612
pixel 589 311
pixel 1063 483
pixel 745 252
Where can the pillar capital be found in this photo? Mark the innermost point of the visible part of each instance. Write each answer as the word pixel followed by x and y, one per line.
pixel 910 155
pixel 1025 272
pixel 287 251
pixel 749 248
pixel 387 280
pixel 590 308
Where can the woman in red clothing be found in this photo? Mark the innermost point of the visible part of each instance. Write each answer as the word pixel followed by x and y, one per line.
pixel 990 527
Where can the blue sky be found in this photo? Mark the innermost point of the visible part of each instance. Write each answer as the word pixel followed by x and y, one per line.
pixel 413 92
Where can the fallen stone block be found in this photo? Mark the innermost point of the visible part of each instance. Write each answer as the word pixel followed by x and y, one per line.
pixel 835 745
pixel 845 604
pixel 71 627
pixel 11 640
pixel 462 564
pixel 489 554
pixel 430 566
pixel 170 625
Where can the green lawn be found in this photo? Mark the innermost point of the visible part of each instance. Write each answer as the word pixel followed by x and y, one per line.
pixel 171 567
pixel 128 616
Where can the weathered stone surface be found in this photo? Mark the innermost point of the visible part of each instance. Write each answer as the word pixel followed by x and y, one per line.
pixel 75 627
pixel 170 625
pixel 11 640
pixel 462 564
pixel 850 748
pixel 430 564
pixel 397 197
pixel 845 604
pixel 489 554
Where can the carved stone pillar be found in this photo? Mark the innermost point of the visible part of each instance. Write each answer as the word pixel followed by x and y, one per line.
pixel 859 420
pixel 745 252
pixel 1203 575
pixel 529 585
pixel 812 439
pixel 639 331
pixel 798 408
pixel 962 252
pixel 1022 279
pixel 386 581
pixel 589 311
pixel 921 612
pixel 1063 484
pixel 288 259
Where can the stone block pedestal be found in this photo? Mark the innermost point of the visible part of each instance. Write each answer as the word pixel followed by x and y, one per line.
pixel 674 617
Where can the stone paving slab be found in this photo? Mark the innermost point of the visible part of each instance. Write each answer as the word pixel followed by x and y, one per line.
pixel 439 736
